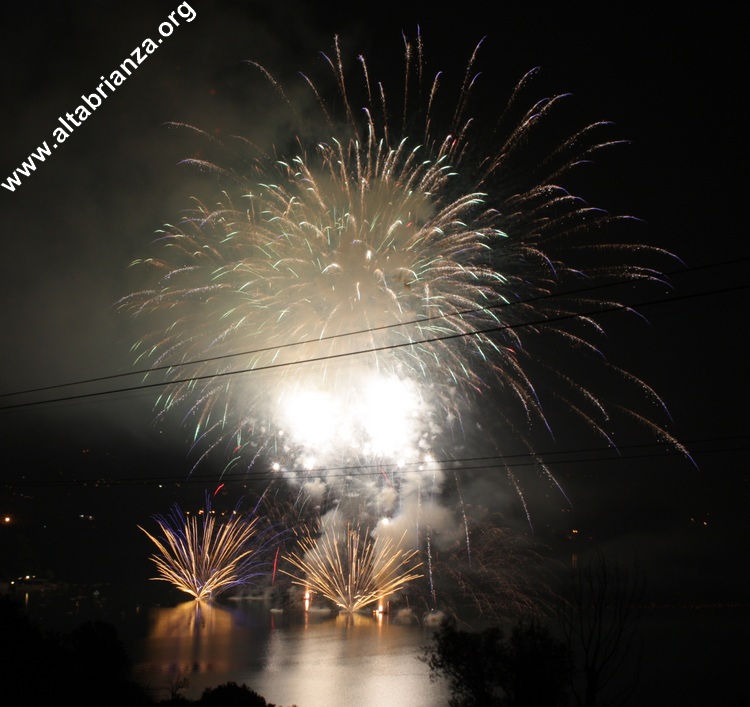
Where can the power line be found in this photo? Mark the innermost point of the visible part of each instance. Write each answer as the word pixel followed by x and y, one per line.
pixel 498 462
pixel 459 313
pixel 373 350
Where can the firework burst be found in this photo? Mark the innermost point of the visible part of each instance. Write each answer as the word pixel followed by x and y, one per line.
pixel 206 556
pixel 416 255
pixel 351 568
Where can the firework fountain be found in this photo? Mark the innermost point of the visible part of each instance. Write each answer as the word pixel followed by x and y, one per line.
pixel 351 568
pixel 347 307
pixel 206 556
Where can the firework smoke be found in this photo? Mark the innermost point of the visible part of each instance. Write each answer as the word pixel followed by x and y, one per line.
pixel 356 300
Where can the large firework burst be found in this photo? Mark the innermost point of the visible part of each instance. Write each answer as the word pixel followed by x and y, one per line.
pixel 416 254
pixel 206 555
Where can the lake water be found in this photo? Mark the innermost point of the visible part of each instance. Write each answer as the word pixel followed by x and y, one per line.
pixel 306 658
pixel 310 660
pixel 693 656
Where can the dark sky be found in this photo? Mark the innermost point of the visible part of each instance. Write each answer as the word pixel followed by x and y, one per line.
pixel 671 81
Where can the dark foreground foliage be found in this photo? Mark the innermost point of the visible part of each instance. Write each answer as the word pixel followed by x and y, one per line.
pixel 529 668
pixel 87 667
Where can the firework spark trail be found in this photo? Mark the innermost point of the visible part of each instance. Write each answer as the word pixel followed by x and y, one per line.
pixel 507 578
pixel 352 571
pixel 211 556
pixel 370 228
pixel 462 506
pixel 433 593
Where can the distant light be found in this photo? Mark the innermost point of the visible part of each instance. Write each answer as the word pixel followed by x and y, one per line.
pixel 6 519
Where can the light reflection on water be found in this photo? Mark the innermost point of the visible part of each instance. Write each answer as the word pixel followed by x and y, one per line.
pixel 309 660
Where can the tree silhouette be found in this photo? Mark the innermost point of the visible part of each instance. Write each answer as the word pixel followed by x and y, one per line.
pixel 484 669
pixel 87 667
pixel 599 614
pixel 471 662
pixel 231 694
pixel 539 667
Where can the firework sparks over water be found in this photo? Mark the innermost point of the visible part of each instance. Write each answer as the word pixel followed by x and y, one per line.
pixel 351 568
pixel 206 555
pixel 351 307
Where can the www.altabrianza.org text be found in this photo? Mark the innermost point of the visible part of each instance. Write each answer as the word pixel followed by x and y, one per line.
pixel 90 102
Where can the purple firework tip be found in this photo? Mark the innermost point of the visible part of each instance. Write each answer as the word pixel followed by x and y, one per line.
pixel 207 554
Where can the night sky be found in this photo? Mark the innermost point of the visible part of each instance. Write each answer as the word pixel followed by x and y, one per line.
pixel 671 82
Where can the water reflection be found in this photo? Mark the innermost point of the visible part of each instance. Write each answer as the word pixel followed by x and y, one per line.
pixel 191 636
pixel 306 659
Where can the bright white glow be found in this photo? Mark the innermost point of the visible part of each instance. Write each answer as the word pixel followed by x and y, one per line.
pixel 388 413
pixel 381 418
pixel 312 417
